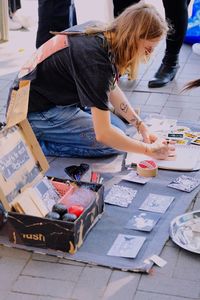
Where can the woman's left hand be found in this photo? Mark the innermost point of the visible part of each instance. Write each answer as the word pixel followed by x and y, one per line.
pixel 148 137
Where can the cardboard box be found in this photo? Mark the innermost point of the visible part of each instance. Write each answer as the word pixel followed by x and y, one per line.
pixel 22 169
pixel 59 235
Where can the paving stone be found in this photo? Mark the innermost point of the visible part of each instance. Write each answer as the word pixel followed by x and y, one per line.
pixel 170 255
pixel 71 262
pixel 3 294
pixel 20 296
pixel 170 243
pixel 10 269
pixel 155 109
pixel 171 112
pixel 44 257
pixel 188 266
pixel 138 98
pixel 157 99
pixel 183 105
pixel 197 203
pixel 43 287
pixel 122 285
pixel 14 252
pixel 190 114
pixel 154 296
pixel 52 270
pixel 3 84
pixel 183 98
pixel 87 292
pixel 191 68
pixel 92 283
pixel 164 284
pixel 97 275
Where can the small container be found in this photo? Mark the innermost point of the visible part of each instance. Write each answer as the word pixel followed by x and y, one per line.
pixel 81 196
pixel 63 188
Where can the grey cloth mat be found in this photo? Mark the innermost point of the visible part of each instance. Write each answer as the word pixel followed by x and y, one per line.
pixel 101 237
pixel 106 166
pixel 103 234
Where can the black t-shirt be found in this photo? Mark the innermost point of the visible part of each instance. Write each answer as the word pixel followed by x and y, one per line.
pixel 81 74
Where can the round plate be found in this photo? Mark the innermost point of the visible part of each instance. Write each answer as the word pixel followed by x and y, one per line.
pixel 185 231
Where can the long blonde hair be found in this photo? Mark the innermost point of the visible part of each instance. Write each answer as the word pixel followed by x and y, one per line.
pixel 192 84
pixel 138 21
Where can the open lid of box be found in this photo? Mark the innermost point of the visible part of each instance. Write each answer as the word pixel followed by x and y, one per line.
pixel 22 162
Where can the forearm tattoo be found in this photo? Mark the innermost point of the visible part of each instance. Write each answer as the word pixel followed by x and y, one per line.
pixel 124 107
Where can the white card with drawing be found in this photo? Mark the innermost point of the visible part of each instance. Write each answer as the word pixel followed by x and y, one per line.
pixel 185 183
pixel 143 221
pixel 156 203
pixel 132 176
pixel 126 246
pixel 120 195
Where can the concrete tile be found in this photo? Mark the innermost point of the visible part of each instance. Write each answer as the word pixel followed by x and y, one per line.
pixel 14 252
pixel 197 203
pixel 183 104
pixel 71 262
pixel 187 267
pixel 52 270
pixel 183 98
pixel 194 92
pixel 97 275
pixel 43 287
pixel 171 112
pixel 10 269
pixel 2 118
pixel 170 286
pixel 4 96
pixel 157 99
pixel 122 285
pixel 4 294
pixel 87 292
pixel 191 68
pixel 155 109
pixel 95 279
pixel 138 98
pixel 170 255
pixel 3 84
pixel 190 114
pixel 153 296
pixel 44 257
pixel 20 296
pixel 170 243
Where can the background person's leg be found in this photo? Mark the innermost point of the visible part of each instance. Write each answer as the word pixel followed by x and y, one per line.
pixel 53 15
pixel 176 12
pixel 68 131
pixel 14 5
pixel 120 5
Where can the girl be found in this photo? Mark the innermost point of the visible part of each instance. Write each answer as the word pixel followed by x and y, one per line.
pixel 80 71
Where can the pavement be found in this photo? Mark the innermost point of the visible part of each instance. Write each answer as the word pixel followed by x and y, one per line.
pixel 30 276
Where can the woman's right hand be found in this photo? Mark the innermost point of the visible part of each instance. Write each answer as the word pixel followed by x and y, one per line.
pixel 161 149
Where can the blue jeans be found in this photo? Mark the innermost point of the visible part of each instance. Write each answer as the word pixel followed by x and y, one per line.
pixel 68 131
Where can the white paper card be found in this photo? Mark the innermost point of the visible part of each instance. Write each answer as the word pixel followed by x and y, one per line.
pixel 156 203
pixel 120 195
pixel 126 246
pixel 158 260
pixel 132 176
pixel 143 221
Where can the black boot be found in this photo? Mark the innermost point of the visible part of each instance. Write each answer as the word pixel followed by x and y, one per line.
pixel 166 72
